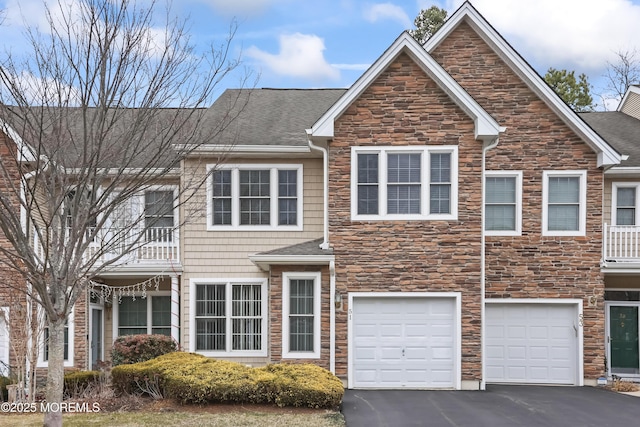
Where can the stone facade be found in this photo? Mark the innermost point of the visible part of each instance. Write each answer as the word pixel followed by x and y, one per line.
pixel 536 140
pixel 405 107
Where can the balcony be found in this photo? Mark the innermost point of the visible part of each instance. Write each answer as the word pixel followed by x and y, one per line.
pixel 621 246
pixel 158 248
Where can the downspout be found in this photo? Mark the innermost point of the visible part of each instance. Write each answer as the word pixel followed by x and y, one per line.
pixel 325 162
pixel 325 245
pixel 332 317
pixel 486 146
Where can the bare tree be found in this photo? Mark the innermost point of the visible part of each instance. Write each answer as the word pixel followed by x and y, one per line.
pixel 102 107
pixel 622 73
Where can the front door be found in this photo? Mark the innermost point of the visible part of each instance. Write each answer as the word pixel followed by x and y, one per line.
pixel 96 336
pixel 623 340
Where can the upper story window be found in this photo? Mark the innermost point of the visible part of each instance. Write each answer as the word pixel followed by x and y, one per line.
pixel 625 203
pixel 564 196
pixel 404 183
pixel 255 197
pixel 503 203
pixel 158 215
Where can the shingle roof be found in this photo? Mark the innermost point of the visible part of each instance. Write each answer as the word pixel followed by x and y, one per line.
pixel 311 247
pixel 620 130
pixel 272 116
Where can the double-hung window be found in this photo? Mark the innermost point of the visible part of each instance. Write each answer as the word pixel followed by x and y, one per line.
pixel 564 203
pixel 404 183
pixel 68 343
pixel 301 315
pixel 229 317
pixel 149 315
pixel 255 197
pixel 503 203
pixel 625 203
pixel 158 215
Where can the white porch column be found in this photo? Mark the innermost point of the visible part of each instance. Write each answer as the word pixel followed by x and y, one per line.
pixel 175 309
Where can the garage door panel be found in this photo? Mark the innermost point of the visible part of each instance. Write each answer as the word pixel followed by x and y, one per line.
pixel 413 346
pixel 531 343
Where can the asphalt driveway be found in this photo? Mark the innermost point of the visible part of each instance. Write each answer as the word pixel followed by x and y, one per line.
pixel 499 405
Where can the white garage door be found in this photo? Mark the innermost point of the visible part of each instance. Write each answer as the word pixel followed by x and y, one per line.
pixel 531 343
pixel 403 342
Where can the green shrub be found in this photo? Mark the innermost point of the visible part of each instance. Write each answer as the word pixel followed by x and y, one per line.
pixel 193 378
pixel 139 348
pixel 305 385
pixel 4 382
pixel 77 382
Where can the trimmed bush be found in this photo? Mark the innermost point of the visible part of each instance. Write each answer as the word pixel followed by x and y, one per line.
pixel 139 348
pixel 77 382
pixel 193 378
pixel 305 385
pixel 4 382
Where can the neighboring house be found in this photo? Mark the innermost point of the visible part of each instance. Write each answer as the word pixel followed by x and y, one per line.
pixel 440 224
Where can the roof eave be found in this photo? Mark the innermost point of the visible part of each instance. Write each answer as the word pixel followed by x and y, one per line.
pixel 264 261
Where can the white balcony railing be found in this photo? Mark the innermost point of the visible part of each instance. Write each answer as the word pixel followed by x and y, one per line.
pixel 157 246
pixel 621 243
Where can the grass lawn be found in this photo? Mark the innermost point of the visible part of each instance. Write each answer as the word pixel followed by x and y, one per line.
pixel 191 419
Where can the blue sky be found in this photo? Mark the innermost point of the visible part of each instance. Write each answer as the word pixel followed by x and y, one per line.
pixel 329 43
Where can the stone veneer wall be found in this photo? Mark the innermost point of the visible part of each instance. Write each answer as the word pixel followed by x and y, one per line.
pixel 405 107
pixel 536 140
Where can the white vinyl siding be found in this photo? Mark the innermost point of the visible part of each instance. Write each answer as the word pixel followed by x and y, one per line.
pixel 256 197
pixel 564 203
pixel 404 183
pixel 503 203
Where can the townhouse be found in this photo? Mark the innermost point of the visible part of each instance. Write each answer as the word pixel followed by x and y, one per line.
pixel 446 222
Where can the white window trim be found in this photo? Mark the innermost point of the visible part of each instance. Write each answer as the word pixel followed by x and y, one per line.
pixel 316 277
pixel 614 200
pixel 4 332
pixel 424 182
pixel 137 201
pixel 235 196
pixel 518 176
pixel 582 210
pixel 138 295
pixel 193 283
pixel 67 362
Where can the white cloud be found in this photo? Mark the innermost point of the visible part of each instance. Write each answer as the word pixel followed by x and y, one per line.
pixel 564 33
pixel 388 11
pixel 300 55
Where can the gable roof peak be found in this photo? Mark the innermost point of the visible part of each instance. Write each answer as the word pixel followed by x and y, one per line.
pixel 486 128
pixel 467 13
